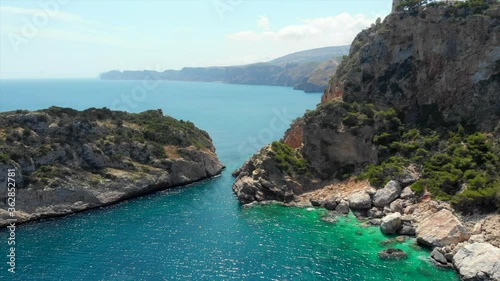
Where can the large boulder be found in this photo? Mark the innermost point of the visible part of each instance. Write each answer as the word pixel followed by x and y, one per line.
pixel 439 258
pixel 441 229
pixel 331 202
pixel 343 207
pixel 391 223
pixel 478 261
pixel 386 195
pixel 360 201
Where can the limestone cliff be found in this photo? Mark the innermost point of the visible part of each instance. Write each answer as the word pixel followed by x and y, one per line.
pixel 67 161
pixel 407 133
pixel 438 60
pixel 408 82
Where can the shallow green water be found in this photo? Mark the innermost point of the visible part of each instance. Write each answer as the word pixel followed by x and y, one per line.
pixel 199 232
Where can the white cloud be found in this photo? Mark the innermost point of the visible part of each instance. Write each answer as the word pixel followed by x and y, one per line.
pixel 76 28
pixel 263 22
pixel 54 14
pixel 327 31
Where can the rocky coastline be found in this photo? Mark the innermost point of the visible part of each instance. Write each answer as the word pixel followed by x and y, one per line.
pixel 68 161
pixel 402 138
pixel 469 244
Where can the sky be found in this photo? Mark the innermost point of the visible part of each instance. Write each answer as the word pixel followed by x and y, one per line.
pixel 77 38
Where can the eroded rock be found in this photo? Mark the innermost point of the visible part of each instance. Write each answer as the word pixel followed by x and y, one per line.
pixel 441 229
pixel 478 261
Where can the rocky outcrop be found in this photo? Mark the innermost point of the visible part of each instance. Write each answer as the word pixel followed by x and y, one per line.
pixel 478 261
pixel 490 228
pixel 68 161
pixel 391 223
pixel 426 63
pixel 441 229
pixel 360 201
pixel 262 179
pixel 386 195
pixel 293 136
pixel 331 148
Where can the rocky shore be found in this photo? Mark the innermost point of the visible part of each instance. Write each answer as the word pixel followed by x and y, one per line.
pixel 68 161
pixel 467 243
pixel 411 114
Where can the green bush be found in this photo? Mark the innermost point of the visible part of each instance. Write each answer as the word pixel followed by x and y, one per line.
pixel 288 160
pixel 450 161
pixel 4 158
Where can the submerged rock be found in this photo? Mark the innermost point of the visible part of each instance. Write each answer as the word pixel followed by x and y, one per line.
pixel 392 254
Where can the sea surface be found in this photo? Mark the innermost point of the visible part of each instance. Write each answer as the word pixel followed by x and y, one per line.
pixel 198 232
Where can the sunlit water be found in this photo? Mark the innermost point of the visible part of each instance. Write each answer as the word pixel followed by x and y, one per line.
pixel 198 232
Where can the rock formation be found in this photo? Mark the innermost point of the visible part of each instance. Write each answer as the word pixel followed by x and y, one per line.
pixel 68 161
pixel 427 62
pixel 391 223
pixel 478 261
pixel 441 229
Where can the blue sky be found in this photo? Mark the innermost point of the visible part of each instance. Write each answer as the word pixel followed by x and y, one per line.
pixel 76 38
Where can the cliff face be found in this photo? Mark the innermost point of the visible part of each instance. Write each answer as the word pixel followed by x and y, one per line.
pixel 436 59
pixel 421 70
pixel 68 161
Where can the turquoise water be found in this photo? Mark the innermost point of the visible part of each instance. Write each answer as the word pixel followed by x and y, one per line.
pixel 199 232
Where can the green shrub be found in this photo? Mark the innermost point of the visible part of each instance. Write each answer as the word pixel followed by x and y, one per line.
pixel 451 160
pixel 288 160
pixel 4 158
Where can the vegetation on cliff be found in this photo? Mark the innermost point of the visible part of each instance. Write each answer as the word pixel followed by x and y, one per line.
pixel 462 8
pixel 455 166
pixel 289 160
pixel 57 142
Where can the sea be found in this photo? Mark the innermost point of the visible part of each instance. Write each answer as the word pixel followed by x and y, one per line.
pixel 199 231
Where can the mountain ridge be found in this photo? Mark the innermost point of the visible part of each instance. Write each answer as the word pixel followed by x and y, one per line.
pixel 298 70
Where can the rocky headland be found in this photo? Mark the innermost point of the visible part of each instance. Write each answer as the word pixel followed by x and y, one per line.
pixel 307 70
pixel 67 161
pixel 406 137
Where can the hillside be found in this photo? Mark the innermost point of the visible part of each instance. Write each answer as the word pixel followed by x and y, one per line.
pixel 67 161
pixel 410 126
pixel 306 70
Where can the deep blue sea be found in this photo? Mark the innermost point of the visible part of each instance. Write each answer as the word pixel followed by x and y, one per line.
pixel 198 232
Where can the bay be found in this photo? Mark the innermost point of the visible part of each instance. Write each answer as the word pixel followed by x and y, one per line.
pixel 198 232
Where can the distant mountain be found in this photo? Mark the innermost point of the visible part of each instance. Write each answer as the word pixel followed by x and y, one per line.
pixel 316 55
pixel 306 70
